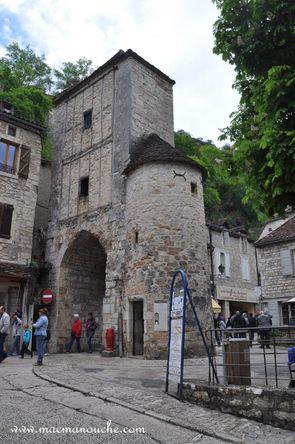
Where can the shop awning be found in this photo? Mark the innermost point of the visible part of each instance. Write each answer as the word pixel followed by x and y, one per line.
pixel 215 306
pixel 290 301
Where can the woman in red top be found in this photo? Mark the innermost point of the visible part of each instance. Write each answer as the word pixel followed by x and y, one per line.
pixel 75 334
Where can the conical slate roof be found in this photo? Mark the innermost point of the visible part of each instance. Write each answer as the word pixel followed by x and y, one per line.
pixel 151 149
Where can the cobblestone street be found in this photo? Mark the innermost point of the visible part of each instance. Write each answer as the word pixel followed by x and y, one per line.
pixel 87 391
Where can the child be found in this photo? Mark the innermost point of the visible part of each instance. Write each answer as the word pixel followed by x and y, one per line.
pixel 26 342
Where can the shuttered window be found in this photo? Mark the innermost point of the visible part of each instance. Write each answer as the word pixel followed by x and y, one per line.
pixel 245 269
pixel 5 220
pixel 286 262
pixel 24 164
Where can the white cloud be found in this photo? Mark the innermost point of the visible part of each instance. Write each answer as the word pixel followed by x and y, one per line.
pixel 174 35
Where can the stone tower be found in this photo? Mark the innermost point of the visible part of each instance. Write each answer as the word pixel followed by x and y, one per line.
pixel 126 208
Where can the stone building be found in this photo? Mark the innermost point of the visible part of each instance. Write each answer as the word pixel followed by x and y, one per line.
pixel 126 209
pixel 20 155
pixel 233 270
pixel 276 258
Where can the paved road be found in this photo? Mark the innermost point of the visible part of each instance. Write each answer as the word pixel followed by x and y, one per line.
pixel 88 391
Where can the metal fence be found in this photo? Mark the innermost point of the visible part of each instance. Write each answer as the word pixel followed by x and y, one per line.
pixel 253 356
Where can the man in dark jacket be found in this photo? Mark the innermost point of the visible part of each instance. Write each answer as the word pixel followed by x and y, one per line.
pixel 252 325
pixel 264 323
pixel 239 322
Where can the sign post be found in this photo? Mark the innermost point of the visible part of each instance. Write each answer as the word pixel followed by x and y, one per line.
pixel 177 320
pixel 177 311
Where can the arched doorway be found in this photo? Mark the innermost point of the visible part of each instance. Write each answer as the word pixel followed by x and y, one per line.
pixel 82 284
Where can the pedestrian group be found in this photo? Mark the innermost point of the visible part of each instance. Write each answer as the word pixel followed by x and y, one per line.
pixel 21 334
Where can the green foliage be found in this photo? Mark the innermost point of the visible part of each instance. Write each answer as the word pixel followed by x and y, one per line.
pixel 47 147
pixel 25 80
pixel 23 68
pixel 71 73
pixel 30 103
pixel 224 188
pixel 258 37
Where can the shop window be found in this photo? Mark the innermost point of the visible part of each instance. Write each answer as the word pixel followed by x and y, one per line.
pixel 6 212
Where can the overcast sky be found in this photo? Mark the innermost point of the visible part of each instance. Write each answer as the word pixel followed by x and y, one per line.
pixel 174 35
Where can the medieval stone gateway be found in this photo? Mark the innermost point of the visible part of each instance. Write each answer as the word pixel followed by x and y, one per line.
pixel 126 209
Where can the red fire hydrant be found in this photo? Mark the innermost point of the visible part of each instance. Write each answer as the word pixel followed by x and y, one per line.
pixel 110 336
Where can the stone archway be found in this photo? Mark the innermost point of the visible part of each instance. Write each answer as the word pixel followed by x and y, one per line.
pixel 82 284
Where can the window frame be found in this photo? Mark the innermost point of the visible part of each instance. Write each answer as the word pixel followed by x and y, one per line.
pixel 4 206
pixel 87 121
pixel 5 166
pixel 83 196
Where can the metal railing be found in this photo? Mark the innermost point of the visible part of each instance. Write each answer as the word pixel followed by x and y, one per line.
pixel 7 169
pixel 253 356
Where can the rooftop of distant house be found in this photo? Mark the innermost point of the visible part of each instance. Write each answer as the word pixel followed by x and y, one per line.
pixel 284 233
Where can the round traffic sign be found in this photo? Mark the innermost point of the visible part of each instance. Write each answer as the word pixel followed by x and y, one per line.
pixel 47 296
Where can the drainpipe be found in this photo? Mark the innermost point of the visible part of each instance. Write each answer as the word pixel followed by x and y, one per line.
pixel 211 249
pixel 258 279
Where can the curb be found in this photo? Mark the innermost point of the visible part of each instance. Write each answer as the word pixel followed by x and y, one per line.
pixel 140 410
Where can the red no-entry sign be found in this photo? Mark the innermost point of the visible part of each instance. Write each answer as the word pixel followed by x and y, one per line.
pixel 47 296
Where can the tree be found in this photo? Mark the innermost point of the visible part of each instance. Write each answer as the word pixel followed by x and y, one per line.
pixel 72 73
pixel 224 188
pixel 24 80
pixel 23 68
pixel 258 38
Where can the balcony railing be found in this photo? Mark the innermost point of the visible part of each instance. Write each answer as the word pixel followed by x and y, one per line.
pixel 7 169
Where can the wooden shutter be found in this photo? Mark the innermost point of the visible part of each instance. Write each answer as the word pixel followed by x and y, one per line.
pixel 286 262
pixel 5 220
pixel 227 264
pixel 245 269
pixel 24 164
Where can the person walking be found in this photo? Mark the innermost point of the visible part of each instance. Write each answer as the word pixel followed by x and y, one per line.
pixel 26 342
pixel 91 326
pixel 16 324
pixel 264 323
pixel 41 333
pixel 252 325
pixel 4 330
pixel 239 322
pixel 76 332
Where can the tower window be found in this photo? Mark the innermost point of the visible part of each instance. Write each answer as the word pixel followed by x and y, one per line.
pixel 11 131
pixel 87 119
pixel 193 188
pixel 136 237
pixel 84 187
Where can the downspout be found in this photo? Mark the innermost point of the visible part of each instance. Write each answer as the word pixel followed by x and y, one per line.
pixel 211 249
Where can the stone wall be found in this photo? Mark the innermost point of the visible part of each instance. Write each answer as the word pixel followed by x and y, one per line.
pixel 22 194
pixel 152 104
pixel 234 248
pixel 276 288
pixel 128 100
pixel 166 231
pixel 270 406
